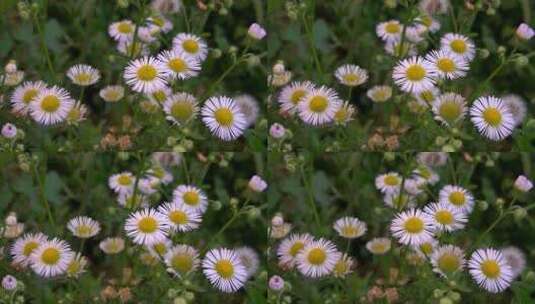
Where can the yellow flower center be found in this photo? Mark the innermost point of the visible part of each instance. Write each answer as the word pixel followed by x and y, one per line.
pixel 317 256
pixel 191 46
pixel 492 116
pixel 111 95
pixel 428 96
pixel 146 72
pixel 147 225
pixel 391 180
pixel 414 225
pixel 392 28
pixel 29 95
pixel 191 198
pixel 378 247
pixel 177 65
pixel 449 110
pixel 182 263
pixel 124 28
pixel 158 21
pixel 160 96
pixel 160 248
pixel 341 115
pixel 426 248
pixel 458 46
pixel 318 104
pixel 224 268
pixel 297 96
pixel 457 198
pixel 351 78
pixel 178 217
pixel 82 78
pixel 181 110
pixel 415 72
pixel 444 217
pixel 74 114
pixel 446 65
pixel 224 117
pixel 50 256
pixel 490 269
pixel 448 262
pixel 29 248
pixel 296 247
pixel 427 21
pixel 83 230
pixel 73 267
pixel 340 267
pixel 124 180
pixel 50 103
pixel 349 231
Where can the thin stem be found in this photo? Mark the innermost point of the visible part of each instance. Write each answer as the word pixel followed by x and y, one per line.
pixel 186 19
pixel 310 36
pixel 453 19
pixel 42 195
pixel 310 196
pixel 43 46
pixel 452 170
pixel 186 171
pixel 228 223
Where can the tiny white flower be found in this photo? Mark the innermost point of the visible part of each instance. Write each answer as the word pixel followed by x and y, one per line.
pixel 145 75
pixel 51 258
pixel 146 226
pixel 224 269
pixel 351 75
pixel 318 258
pixel 447 260
pixel 319 106
pixel 180 108
pixel 457 197
pixel 490 270
pixel 350 227
pixel 222 115
pixel 83 227
pixel 412 227
pixel 379 246
pixel 414 75
pixel 51 106
pixel 458 45
pixel 449 108
pixel 83 75
pixel 492 118
pixel 292 95
pixel 192 45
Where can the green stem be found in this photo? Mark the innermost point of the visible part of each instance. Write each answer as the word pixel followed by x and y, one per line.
pixel 453 19
pixel 310 37
pixel 310 197
pixel 452 170
pixel 227 224
pixel 43 46
pixel 42 195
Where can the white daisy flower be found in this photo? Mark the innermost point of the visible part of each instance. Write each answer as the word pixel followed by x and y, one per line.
pixel 249 259
pixel 24 94
pixel 83 227
pixel 344 114
pixel 160 22
pixel 318 258
pixel 179 65
pixel 343 266
pixel 111 245
pixel 122 30
pixel 427 97
pixel 164 176
pixel 389 182
pixel 222 115
pixel 192 197
pixel 24 246
pixel 51 258
pixel 350 227
pixel 428 175
pixel 77 265
pixel 490 270
pixel 290 247
pixel 83 75
pixel 431 24
pixel 447 260
pixel 399 200
pixel 179 217
pixel 517 107
pixel 190 44
pixel 449 108
pixel 445 65
pixel 416 33
pixel 145 75
pixel 112 93
pixel 379 246
pixel 492 118
pixel 351 75
pixel 249 108
pixel 181 260
pixel 224 269
pixel 180 108
pixel 446 217
pixel 51 105
pixel 457 197
pixel 414 75
pixel 160 96
pixel 159 249
pixel 379 93
pixel 122 182
pixel 319 106
pixel 459 45
pixel 389 30
pixel 146 226
pixel 293 94
pixel 516 259
pixel 77 114
pixel 412 227
pixel 426 248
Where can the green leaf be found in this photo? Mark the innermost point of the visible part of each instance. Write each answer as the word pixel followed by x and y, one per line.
pixel 53 33
pixel 321 35
pixel 53 185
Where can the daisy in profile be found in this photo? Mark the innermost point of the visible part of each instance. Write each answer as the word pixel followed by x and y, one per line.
pixel 159 249
pixel 445 65
pixel 449 108
pixel 77 114
pixel 112 245
pixel 350 227
pixel 179 65
pixel 24 94
pixel 160 96
pixel 191 45
pixel 379 246
pixel 343 266
pixel 517 107
pixel 51 106
pixel 426 174
pixel 379 93
pixel 192 197
pixel 222 115
pixel 351 75
pixel 292 94
pixel 112 93
pixel 319 106
pixel 180 217
pixel 516 259
pixel 249 259
pixel 83 227
pixel 318 258
pixel 145 75
pixel 414 75
pixel 181 260
pixel 128 200
pixel 249 108
pixel 24 246
pixel 427 97
pixel 389 30
pixel 51 258
pixel 122 182
pixel 459 45
pixel 389 182
pixel 447 260
pixel 290 247
pixel 83 75
pixel 446 217
pixel 431 24
pixel 398 49
pixel 76 266
pixel 180 108
pixel 131 48
pixel 427 248
pixel 399 200
pixel 490 270
pixel 224 269
pixel 457 197
pixel 122 30
pixel 492 118
pixel 412 227
pixel 146 226
pixel 344 114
